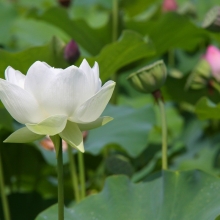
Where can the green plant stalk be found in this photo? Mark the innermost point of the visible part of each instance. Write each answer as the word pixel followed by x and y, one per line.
pixel 114 38
pixel 3 194
pixel 171 58
pixel 82 174
pixel 114 20
pixel 164 133
pixel 60 181
pixel 73 174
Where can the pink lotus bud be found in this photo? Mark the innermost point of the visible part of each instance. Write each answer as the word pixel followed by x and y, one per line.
pixel 212 56
pixel 169 5
pixel 71 52
pixel 65 3
pixel 85 135
pixel 47 143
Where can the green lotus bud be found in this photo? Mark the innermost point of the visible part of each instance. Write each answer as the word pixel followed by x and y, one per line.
pixel 149 78
pixel 212 20
pixel 200 75
pixel 188 9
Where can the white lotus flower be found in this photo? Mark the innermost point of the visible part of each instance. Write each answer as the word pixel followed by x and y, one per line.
pixel 52 101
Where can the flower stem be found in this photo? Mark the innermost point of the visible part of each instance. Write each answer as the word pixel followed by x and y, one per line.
pixel 164 133
pixel 114 20
pixel 60 181
pixel 73 174
pixel 114 38
pixel 3 194
pixel 171 58
pixel 82 174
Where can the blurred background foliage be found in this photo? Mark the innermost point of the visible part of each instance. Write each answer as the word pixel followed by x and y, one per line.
pixel 130 144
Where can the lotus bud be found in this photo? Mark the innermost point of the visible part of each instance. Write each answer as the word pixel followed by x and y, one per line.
pixel 200 75
pixel 212 20
pixel 71 52
pixel 47 144
pixel 150 78
pixel 169 5
pixel 188 9
pixel 212 56
pixel 65 3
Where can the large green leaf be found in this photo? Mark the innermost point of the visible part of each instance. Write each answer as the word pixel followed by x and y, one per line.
pixel 206 109
pixel 90 39
pixel 139 6
pixel 26 31
pixel 170 31
pixel 189 195
pixel 51 53
pixel 8 15
pixel 130 47
pixel 204 160
pixel 129 129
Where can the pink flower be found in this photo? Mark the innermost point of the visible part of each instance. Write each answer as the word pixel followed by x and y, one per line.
pixel 212 56
pixel 71 52
pixel 169 5
pixel 47 143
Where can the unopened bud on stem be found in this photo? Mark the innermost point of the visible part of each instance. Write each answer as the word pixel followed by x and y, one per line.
pixel 212 20
pixel 169 5
pixel 71 52
pixel 65 3
pixel 150 78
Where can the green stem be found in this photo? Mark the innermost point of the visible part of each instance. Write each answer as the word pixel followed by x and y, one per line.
pixel 60 181
pixel 82 174
pixel 164 133
pixel 114 20
pixel 73 174
pixel 3 194
pixel 114 98
pixel 171 58
pixel 114 38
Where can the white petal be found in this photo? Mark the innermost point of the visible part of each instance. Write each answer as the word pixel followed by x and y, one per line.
pixel 20 104
pixel 73 136
pixel 95 69
pixel 92 78
pixel 65 92
pixel 98 82
pixel 91 109
pixel 37 78
pixel 14 76
pixel 23 135
pixel 85 67
pixel 54 70
pixel 52 88
pixel 95 124
pixel 50 126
